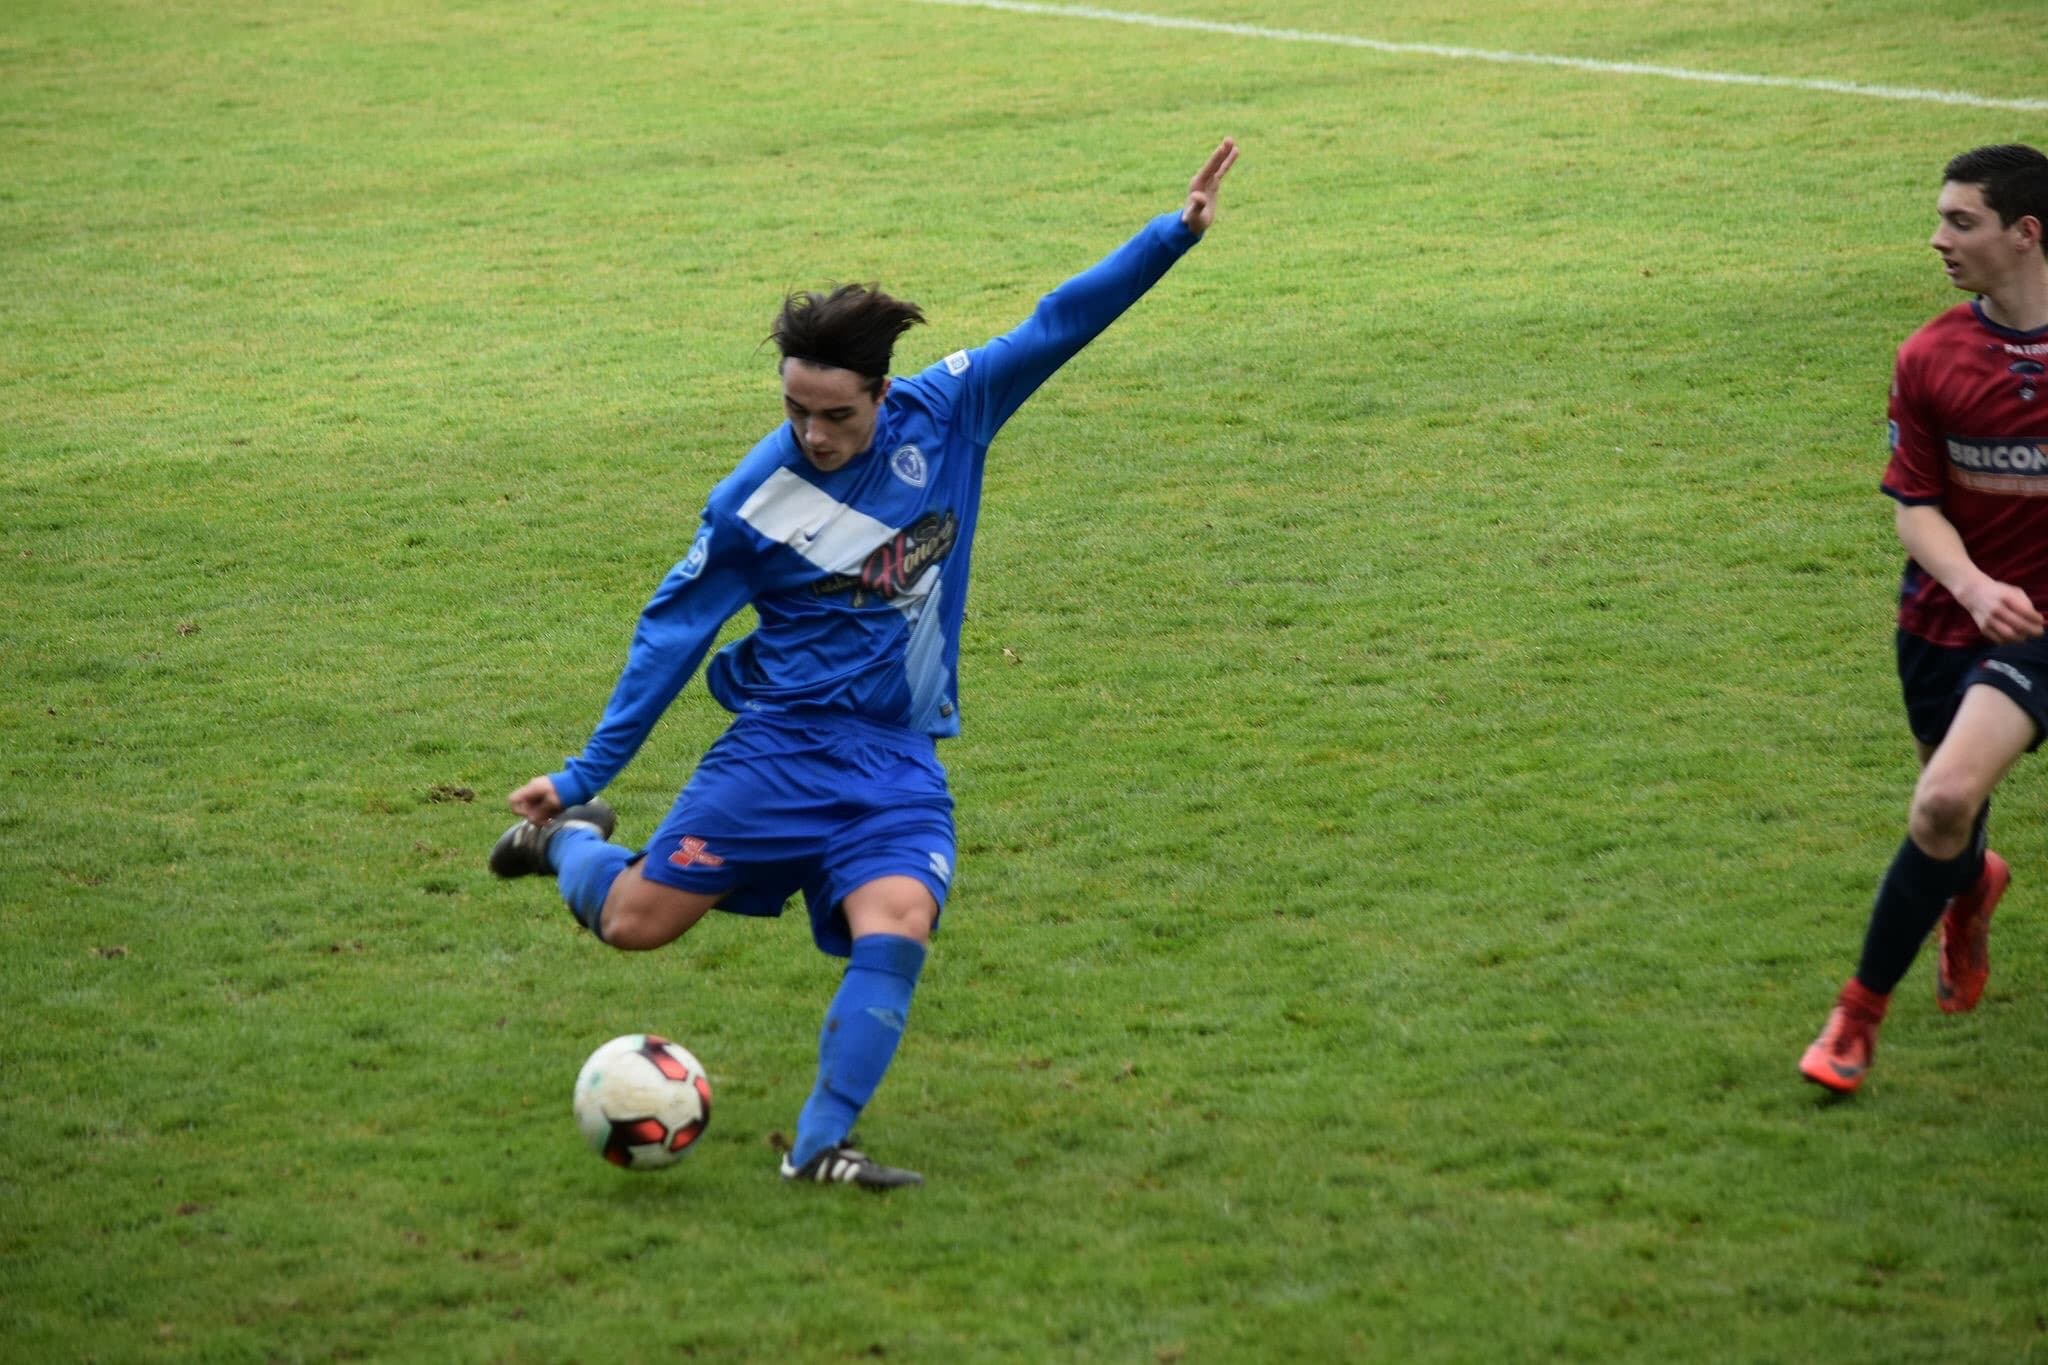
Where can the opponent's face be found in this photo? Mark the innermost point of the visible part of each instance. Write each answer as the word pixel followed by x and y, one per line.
pixel 1977 252
pixel 830 410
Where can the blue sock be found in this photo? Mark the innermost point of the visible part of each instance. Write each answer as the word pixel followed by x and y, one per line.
pixel 585 868
pixel 862 1027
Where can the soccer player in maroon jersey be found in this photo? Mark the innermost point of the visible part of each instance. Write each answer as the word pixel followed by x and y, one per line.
pixel 1969 473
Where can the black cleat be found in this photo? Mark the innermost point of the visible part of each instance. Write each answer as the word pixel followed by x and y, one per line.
pixel 847 1165
pixel 522 851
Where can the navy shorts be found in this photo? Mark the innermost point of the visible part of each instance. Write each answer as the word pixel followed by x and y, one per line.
pixel 817 804
pixel 1934 677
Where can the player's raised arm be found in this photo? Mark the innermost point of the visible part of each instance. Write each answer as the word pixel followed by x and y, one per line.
pixel 1200 210
pixel 997 378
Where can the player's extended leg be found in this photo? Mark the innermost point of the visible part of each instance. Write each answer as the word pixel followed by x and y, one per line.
pixel 891 919
pixel 599 881
pixel 637 914
pixel 1940 858
pixel 572 848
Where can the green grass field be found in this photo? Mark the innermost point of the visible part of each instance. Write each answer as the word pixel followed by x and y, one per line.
pixel 1430 733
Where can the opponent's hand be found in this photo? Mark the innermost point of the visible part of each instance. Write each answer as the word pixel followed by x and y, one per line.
pixel 1201 206
pixel 536 801
pixel 2005 614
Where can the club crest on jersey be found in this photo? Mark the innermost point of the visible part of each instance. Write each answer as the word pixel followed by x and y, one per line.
pixel 908 465
pixel 2029 372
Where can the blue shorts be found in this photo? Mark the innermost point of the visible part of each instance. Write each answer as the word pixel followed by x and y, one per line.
pixel 817 804
pixel 1935 677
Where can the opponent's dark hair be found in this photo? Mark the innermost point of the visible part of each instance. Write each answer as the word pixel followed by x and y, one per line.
pixel 854 327
pixel 2014 178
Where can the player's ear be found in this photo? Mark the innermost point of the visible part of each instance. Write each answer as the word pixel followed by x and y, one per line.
pixel 887 382
pixel 2029 228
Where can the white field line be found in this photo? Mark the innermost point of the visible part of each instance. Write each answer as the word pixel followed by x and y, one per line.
pixel 1476 54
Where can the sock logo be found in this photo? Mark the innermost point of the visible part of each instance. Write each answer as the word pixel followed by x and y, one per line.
pixel 887 1018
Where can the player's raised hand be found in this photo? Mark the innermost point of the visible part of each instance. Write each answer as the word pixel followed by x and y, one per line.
pixel 536 801
pixel 1201 206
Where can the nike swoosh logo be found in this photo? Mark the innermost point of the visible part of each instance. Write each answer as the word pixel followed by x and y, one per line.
pixel 1847 1073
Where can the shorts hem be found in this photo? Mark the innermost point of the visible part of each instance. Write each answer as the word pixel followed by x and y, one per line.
pixel 2026 698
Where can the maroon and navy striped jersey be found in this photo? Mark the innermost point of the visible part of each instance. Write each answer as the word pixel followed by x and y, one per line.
pixel 1969 433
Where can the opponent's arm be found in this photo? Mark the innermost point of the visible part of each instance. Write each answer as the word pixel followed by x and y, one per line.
pixel 2003 612
pixel 674 633
pixel 1009 369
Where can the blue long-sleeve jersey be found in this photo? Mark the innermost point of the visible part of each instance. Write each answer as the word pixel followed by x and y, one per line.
pixel 858 576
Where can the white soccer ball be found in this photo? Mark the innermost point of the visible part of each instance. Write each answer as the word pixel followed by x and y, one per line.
pixel 641 1101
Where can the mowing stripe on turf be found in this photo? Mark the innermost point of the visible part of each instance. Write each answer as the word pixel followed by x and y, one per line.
pixel 1476 54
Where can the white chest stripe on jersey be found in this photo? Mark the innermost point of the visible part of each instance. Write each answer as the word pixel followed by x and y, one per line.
pixel 790 510
pixel 793 511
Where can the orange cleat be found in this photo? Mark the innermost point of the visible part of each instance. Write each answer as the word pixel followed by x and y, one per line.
pixel 1966 939
pixel 1840 1057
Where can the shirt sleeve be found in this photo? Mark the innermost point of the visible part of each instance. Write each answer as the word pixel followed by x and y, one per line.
pixel 696 598
pixel 998 377
pixel 1918 470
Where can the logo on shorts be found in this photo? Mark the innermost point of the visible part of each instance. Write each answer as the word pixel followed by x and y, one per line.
pixel 941 869
pixel 692 852
pixel 2001 666
pixel 908 465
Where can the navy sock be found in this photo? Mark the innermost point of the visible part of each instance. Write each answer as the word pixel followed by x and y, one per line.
pixel 862 1027
pixel 1910 899
pixel 585 868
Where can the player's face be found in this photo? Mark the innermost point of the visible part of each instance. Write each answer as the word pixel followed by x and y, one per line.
pixel 830 410
pixel 1975 248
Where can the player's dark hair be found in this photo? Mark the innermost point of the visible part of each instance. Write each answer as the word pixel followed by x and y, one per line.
pixel 854 327
pixel 2014 179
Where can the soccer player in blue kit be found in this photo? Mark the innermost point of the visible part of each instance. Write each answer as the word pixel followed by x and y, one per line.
pixel 848 530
